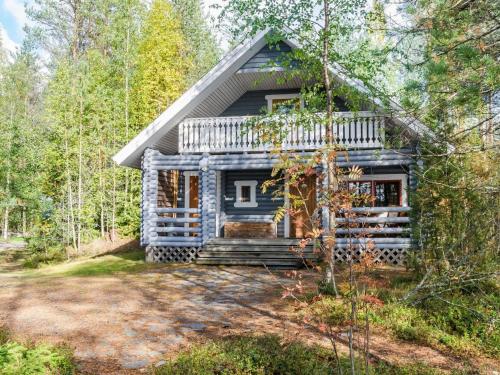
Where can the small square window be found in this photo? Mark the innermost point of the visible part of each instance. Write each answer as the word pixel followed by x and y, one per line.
pixel 246 194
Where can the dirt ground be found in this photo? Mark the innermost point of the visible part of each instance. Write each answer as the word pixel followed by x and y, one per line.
pixel 124 323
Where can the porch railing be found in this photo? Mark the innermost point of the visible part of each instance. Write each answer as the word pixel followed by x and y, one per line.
pixel 230 134
pixel 176 227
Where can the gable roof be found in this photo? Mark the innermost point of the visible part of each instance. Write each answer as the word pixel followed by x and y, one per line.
pixel 130 154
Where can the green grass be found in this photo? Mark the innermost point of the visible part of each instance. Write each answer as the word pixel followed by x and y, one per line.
pixel 19 359
pixel 261 355
pixel 16 239
pixel 124 262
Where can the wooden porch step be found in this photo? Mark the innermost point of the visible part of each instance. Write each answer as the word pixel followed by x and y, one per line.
pixel 254 252
pixel 254 248
pixel 253 241
pixel 254 255
pixel 269 262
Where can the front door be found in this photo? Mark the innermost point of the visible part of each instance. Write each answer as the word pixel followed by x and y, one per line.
pixel 300 223
pixel 191 195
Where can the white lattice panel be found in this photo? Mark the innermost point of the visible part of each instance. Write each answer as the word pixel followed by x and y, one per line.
pixel 172 254
pixel 389 256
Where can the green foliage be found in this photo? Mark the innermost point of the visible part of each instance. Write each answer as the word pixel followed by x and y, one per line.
pixel 163 63
pixel 269 355
pixel 17 359
pixel 465 322
pixel 111 68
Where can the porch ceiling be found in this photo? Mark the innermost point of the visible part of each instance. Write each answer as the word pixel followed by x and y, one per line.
pixel 227 93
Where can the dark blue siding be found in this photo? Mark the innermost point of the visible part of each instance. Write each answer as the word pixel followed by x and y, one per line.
pixel 253 103
pixel 268 56
pixel 266 204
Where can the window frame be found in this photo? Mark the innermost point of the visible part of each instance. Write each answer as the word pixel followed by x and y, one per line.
pixel 381 178
pixel 253 194
pixel 272 97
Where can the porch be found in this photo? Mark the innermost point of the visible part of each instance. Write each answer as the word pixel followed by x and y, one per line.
pixel 195 227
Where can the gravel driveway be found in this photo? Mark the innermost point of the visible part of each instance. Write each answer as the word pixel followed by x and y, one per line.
pixel 131 321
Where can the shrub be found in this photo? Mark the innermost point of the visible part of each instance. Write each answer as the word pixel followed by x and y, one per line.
pixel 17 359
pixel 268 355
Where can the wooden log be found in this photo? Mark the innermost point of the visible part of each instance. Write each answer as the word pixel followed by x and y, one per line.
pixel 373 230
pixel 175 244
pixel 375 240
pixel 177 229
pixel 183 239
pixel 372 220
pixel 178 220
pixel 377 246
pixel 170 210
pixel 376 210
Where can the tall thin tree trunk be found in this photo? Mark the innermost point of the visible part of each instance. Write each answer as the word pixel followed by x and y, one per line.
pixel 113 208
pixel 24 221
pixel 71 212
pixel 331 165
pixel 127 67
pixel 101 195
pixel 5 230
pixel 80 177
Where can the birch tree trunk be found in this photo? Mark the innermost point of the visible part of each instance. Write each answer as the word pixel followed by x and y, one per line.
pixel 331 165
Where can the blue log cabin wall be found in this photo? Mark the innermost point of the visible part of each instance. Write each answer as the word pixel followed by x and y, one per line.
pixel 268 56
pixel 254 103
pixel 267 204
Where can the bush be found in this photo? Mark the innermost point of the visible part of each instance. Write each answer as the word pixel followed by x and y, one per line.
pixel 17 359
pixel 53 254
pixel 267 355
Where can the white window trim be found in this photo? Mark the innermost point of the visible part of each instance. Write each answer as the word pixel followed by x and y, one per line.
pixel 253 194
pixel 270 98
pixel 389 177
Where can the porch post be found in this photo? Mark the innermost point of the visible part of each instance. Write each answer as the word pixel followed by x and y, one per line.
pixel 149 198
pixel 208 187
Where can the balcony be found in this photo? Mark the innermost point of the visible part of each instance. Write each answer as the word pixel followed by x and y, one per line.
pixel 360 130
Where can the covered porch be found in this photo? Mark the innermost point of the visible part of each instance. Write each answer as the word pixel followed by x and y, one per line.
pixel 204 207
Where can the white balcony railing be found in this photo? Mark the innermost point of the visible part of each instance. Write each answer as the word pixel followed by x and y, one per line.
pixel 230 134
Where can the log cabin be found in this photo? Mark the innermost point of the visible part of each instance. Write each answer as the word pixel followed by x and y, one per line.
pixel 202 173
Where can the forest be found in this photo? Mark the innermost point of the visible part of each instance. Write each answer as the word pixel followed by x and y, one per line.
pixel 107 69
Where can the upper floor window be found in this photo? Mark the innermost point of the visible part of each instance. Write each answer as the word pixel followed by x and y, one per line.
pixel 284 103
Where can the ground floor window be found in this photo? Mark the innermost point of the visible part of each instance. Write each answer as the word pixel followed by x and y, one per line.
pixel 246 194
pixel 384 192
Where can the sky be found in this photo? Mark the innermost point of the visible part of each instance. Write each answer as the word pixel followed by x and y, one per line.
pixel 12 21
pixel 13 18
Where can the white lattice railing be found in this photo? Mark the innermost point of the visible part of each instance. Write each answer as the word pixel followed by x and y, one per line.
pixel 230 134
